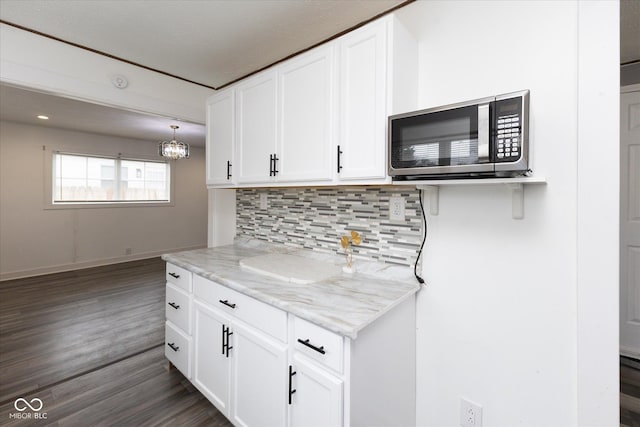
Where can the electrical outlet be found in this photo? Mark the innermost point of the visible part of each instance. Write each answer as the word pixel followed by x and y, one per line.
pixel 263 201
pixel 470 413
pixel 396 209
pixel 128 251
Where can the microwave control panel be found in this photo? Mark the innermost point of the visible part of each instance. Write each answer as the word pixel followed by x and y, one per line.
pixel 508 125
pixel 508 138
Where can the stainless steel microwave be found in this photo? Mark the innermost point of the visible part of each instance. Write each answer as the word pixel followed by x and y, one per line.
pixel 484 137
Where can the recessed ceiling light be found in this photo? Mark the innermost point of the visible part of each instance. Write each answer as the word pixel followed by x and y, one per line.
pixel 43 117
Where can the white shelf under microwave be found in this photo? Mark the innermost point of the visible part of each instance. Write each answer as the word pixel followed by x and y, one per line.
pixel 516 185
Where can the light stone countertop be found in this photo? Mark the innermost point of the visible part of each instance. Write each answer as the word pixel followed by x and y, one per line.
pixel 345 303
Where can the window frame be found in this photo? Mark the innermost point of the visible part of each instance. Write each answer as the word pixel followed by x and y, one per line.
pixel 49 181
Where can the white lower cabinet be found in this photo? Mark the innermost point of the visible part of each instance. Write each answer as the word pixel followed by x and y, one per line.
pixel 240 370
pixel 263 367
pixel 366 382
pixel 211 367
pixel 316 395
pixel 177 332
pixel 259 379
pixel 178 348
pixel 238 367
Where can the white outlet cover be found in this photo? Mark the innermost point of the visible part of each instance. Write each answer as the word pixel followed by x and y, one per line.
pixel 263 201
pixel 396 208
pixel 470 413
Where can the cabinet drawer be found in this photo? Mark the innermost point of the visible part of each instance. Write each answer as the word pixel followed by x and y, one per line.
pixel 177 348
pixel 179 277
pixel 178 308
pixel 318 343
pixel 258 314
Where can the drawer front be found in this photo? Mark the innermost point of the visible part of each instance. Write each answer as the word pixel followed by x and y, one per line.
pixel 179 277
pixel 178 308
pixel 177 348
pixel 318 343
pixel 259 315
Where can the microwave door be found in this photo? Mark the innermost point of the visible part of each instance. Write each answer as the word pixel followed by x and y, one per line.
pixel 442 142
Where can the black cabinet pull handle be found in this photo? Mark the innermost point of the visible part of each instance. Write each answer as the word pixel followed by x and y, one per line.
pixel 174 305
pixel 227 303
pixel 291 374
pixel 226 331
pixel 270 164
pixel 311 346
pixel 224 334
pixel 173 346
pixel 339 165
pixel 228 170
pixel 275 165
pixel 229 347
pixel 174 275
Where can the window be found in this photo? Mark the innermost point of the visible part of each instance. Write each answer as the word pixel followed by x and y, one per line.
pixel 91 179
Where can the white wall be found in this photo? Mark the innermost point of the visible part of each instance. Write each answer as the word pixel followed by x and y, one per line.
pixel 500 319
pixel 35 240
pixel 598 201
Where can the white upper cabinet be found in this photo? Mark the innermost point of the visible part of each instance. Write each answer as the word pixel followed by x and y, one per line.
pixel 220 137
pixel 306 117
pixel 319 118
pixel 362 139
pixel 378 77
pixel 256 128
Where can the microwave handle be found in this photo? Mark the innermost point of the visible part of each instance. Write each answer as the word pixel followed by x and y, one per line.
pixel 483 133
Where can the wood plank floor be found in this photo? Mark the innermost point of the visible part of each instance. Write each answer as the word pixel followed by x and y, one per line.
pixel 629 392
pixel 90 345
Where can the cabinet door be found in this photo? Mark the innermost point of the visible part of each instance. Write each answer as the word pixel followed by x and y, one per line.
pixel 212 370
pixel 220 138
pixel 306 97
pixel 318 397
pixel 259 378
pixel 362 133
pixel 255 128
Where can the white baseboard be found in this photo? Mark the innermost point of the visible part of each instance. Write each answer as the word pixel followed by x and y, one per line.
pixel 88 264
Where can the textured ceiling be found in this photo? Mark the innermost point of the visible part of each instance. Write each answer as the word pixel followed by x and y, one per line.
pixel 211 42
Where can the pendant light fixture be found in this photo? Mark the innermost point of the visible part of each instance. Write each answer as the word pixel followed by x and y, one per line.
pixel 174 149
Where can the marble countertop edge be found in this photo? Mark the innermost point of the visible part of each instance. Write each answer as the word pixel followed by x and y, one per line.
pixel 344 304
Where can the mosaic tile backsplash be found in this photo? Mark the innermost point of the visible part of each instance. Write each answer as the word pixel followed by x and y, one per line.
pixel 316 218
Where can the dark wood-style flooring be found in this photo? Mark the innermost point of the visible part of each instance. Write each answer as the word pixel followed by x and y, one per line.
pixel 90 345
pixel 629 392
